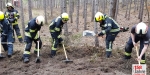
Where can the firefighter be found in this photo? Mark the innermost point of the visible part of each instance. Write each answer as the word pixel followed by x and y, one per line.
pixel 139 32
pixel 31 34
pixel 12 15
pixel 108 27
pixel 55 28
pixel 6 34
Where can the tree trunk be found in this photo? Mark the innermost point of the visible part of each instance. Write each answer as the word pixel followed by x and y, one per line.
pixel 45 11
pixel 70 11
pixel 22 17
pixel 93 8
pixel 130 2
pixel 95 26
pixel 77 20
pixel 85 15
pixel 51 7
pixel 141 10
pixel 1 5
pixel 147 12
pixel 112 8
pixel 30 9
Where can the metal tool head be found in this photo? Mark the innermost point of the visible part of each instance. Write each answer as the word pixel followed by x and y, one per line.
pixel 37 60
pixel 68 61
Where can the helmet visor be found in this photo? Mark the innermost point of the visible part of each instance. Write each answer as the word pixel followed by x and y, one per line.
pixel 65 19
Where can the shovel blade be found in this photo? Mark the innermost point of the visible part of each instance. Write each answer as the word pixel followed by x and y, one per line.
pixel 37 60
pixel 68 61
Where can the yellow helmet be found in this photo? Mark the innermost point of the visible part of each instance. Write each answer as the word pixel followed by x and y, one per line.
pixel 1 15
pixel 65 16
pixel 99 16
pixel 9 5
pixel 40 20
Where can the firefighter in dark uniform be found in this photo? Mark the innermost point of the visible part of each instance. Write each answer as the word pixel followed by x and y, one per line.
pixel 31 34
pixel 6 34
pixel 139 32
pixel 12 15
pixel 110 28
pixel 55 28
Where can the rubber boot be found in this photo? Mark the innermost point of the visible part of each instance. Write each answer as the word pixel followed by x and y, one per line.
pixel 20 40
pixel 127 57
pixel 26 59
pixel 108 53
pixel 53 53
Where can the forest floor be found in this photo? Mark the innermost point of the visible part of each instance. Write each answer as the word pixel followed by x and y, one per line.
pixel 87 59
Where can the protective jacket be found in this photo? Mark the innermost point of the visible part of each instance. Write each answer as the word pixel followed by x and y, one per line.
pixel 32 28
pixel 12 16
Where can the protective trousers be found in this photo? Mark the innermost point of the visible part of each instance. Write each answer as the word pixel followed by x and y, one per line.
pixel 56 40
pixel 110 37
pixel 129 46
pixel 17 30
pixel 28 46
pixel 7 43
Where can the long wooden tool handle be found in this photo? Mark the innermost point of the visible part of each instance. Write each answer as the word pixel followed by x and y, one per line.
pixel 65 51
pixel 137 53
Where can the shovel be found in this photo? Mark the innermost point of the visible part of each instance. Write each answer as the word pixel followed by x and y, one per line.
pixel 1 56
pixel 67 60
pixel 137 53
pixel 38 53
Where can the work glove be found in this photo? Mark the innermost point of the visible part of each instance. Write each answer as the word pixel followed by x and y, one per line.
pixel 124 29
pixel 100 34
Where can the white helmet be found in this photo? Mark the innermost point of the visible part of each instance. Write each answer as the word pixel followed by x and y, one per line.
pixel 141 28
pixel 9 5
pixel 40 20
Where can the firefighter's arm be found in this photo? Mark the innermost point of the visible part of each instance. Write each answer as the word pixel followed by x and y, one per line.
pixel 143 51
pixel 105 31
pixel 17 16
pixel 5 28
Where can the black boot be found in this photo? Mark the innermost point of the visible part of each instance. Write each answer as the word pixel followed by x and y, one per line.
pixel 108 53
pixel 20 40
pixel 127 57
pixel 26 60
pixel 53 53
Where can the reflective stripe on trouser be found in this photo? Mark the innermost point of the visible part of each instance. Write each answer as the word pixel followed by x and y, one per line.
pixel 56 41
pixel 17 30
pixel 142 61
pixel 9 47
pixel 127 54
pixel 109 47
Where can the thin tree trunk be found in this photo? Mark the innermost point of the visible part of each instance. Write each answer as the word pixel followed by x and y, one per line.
pixel 93 8
pixel 95 25
pixel 147 12
pixel 112 8
pixel 85 16
pixel 1 5
pixel 126 9
pixel 70 11
pixel 129 9
pixel 51 7
pixel 77 20
pixel 30 9
pixel 22 18
pixel 45 11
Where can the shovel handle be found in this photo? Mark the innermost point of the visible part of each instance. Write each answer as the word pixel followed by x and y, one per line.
pixel 65 51
pixel 137 53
